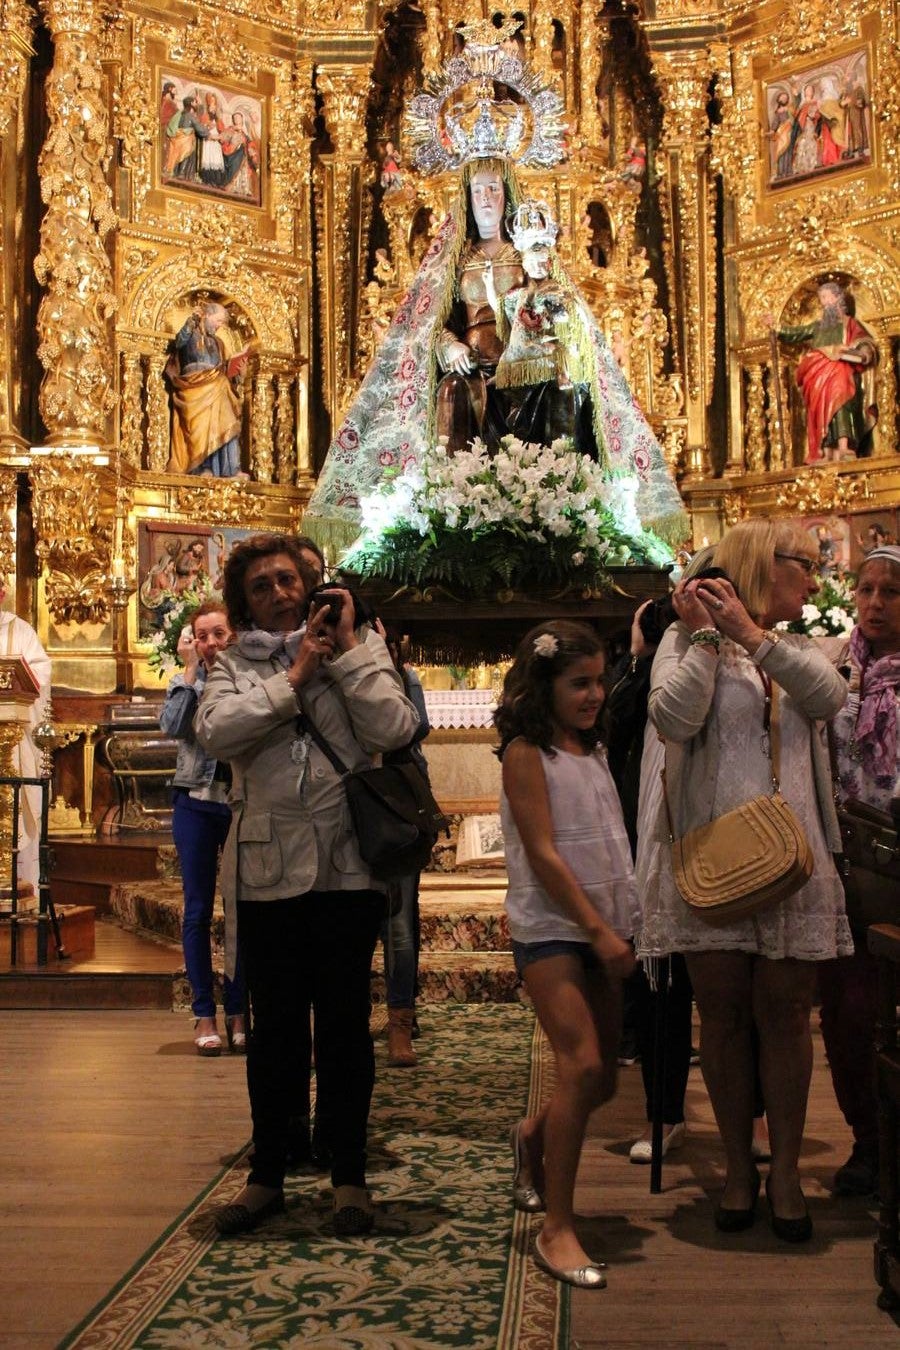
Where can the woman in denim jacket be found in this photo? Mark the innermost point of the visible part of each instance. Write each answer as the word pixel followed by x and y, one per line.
pixel 200 826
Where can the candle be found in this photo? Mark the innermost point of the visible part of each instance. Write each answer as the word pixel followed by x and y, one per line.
pixel 118 569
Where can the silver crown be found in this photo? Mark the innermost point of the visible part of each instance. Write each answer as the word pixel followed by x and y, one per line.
pixel 445 131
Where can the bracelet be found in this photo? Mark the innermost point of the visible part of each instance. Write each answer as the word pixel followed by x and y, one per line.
pixel 770 640
pixel 706 636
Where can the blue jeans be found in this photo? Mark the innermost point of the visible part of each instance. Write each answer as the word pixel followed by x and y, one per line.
pixel 199 830
pixel 400 937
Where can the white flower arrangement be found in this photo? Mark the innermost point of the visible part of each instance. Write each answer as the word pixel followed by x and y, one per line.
pixel 163 655
pixel 831 613
pixel 540 514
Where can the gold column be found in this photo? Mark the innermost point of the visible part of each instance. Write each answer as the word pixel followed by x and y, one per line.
pixel 339 215
pixel 157 414
pixel 886 397
pixel 755 421
pixel 261 426
pixel 542 45
pixel 77 392
pixel 590 56
pixel 284 430
pixel 684 82
pixel 15 54
pixel 130 418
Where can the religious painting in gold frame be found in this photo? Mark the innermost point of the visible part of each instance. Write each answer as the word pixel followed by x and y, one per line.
pixel 819 120
pixel 211 137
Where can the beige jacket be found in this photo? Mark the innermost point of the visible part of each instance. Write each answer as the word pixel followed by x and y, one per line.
pixel 682 685
pixel 291 829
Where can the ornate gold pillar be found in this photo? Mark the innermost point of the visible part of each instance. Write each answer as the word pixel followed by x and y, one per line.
pixel 130 417
pixel 886 398
pixel 755 420
pixel 15 54
pixel 284 430
pixel 590 57
pixel 77 393
pixel 339 217
pixel 542 45
pixel 261 441
pixel 687 205
pixel 157 414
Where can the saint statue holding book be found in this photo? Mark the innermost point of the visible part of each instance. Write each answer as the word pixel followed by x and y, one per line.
pixel 207 411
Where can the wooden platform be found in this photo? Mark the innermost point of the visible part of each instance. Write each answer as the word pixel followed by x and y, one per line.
pixel 126 970
pixel 33 933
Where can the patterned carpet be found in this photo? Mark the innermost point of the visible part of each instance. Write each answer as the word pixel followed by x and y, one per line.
pixel 447 1264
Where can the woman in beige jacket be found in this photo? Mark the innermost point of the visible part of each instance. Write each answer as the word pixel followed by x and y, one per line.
pixel 308 911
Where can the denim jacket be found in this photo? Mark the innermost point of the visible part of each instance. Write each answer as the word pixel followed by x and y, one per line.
pixel 194 768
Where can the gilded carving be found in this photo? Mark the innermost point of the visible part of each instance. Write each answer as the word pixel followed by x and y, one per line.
pixel 77 392
pixel 210 43
pixel 157 414
pixel 345 91
pixel 284 431
pixel 74 544
pixel 261 427
pixel 220 501
pixel 754 422
pixel 15 55
pixel 7 517
pixel 819 490
pixel 130 422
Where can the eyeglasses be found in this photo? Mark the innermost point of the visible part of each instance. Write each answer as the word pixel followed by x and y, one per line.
pixel 807 564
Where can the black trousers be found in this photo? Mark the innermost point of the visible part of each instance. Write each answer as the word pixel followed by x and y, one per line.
pixel 315 948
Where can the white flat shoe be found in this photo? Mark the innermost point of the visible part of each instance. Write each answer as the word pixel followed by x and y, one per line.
pixel 584 1277
pixel 642 1150
pixel 526 1199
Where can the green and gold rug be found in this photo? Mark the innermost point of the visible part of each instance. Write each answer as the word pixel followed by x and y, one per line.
pixel 448 1263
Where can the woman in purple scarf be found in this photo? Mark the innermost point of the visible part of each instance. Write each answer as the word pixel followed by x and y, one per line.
pixel 867 754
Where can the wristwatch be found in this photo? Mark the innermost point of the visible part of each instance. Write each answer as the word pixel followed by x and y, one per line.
pixel 770 640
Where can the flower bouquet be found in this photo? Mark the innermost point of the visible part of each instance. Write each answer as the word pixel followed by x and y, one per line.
pixel 163 656
pixel 831 613
pixel 528 517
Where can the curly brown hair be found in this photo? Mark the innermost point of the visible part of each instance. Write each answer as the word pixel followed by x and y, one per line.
pixel 526 705
pixel 249 551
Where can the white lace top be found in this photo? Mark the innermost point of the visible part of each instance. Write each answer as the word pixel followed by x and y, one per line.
pixel 589 833
pixel 811 925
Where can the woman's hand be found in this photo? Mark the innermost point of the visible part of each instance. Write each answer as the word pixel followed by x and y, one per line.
pixel 341 633
pixel 187 654
pixel 728 613
pixel 639 646
pixel 691 608
pixel 317 646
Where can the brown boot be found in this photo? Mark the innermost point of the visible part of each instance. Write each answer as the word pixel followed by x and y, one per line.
pixel 400 1051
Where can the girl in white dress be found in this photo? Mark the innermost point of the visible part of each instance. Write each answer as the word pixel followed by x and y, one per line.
pixel 571 905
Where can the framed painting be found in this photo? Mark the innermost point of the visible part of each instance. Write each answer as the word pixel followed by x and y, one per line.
pixel 819 120
pixel 211 138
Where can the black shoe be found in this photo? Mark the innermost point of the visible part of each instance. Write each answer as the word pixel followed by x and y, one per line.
pixel 789 1230
pixel 416 1029
pixel 231 1220
pixel 353 1213
pixel 737 1220
pixel 859 1174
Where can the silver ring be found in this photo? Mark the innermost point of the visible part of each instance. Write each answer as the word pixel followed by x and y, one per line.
pixel 719 604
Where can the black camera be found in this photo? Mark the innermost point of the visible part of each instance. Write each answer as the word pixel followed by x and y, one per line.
pixel 333 594
pixel 661 612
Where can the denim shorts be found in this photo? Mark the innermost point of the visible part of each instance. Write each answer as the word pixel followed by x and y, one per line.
pixel 525 953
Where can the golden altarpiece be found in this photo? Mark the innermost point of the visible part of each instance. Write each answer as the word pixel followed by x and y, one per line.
pixel 688 218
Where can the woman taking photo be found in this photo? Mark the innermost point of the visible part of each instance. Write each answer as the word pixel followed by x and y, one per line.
pixel 712 685
pixel 308 911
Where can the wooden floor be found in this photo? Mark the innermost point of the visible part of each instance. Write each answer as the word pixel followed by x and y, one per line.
pixel 111 1125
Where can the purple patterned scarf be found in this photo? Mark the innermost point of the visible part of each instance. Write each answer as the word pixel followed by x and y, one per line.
pixel 876 721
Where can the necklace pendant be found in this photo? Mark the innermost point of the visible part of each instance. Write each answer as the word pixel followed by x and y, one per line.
pixel 766 742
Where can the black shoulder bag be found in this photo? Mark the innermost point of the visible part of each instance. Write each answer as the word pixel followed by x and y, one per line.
pixel 395 817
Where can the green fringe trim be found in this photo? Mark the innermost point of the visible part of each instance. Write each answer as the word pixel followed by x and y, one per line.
pixel 673 529
pixel 533 370
pixel 333 535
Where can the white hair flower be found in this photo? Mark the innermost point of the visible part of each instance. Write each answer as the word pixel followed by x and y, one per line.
pixel 545 644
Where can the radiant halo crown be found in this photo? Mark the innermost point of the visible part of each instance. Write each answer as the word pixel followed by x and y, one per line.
pixel 446 131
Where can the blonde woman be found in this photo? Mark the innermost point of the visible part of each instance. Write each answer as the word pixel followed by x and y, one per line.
pixel 711 688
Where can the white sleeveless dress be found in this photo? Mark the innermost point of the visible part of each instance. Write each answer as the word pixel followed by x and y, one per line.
pixel 589 833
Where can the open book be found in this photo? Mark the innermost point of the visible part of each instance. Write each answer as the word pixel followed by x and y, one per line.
pixel 235 364
pixel 480 842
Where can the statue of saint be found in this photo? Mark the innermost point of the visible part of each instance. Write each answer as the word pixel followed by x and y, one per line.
pixel 834 377
pixel 206 422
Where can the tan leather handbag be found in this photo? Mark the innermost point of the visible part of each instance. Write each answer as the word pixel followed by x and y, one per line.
pixel 747 860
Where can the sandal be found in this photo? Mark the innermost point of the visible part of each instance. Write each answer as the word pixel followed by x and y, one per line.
pixel 237 1037
pixel 208 1043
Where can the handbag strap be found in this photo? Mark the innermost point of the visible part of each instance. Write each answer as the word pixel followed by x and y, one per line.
pixel 771 740
pixel 304 724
